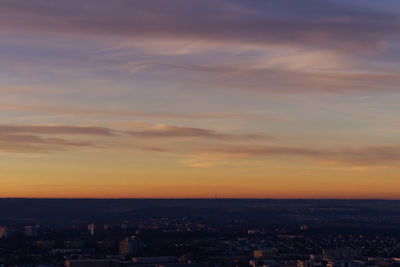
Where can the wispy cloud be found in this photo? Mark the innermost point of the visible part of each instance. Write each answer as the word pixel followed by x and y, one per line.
pixel 347 155
pixel 23 143
pixel 43 138
pixel 124 112
pixel 274 46
pixel 332 24
pixel 56 129
pixel 168 131
pixel 198 163
pixel 161 138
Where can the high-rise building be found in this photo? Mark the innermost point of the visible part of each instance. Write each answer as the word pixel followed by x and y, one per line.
pixel 91 228
pixel 128 246
pixel 3 231
pixel 31 230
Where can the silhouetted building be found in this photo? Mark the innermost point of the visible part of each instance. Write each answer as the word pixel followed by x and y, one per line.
pixel 128 246
pixel 343 253
pixel 265 253
pixel 346 263
pixel 92 229
pixel 3 231
pixel 92 263
pixel 74 243
pixel 106 245
pixel 45 244
pixel 155 260
pixel 31 231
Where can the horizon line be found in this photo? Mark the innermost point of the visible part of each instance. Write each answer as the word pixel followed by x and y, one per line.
pixel 193 198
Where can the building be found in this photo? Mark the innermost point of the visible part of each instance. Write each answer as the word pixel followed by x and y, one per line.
pixel 3 231
pixel 342 253
pixel 265 253
pixel 31 231
pixel 92 229
pixel 128 246
pixel 346 263
pixel 155 260
pixel 92 263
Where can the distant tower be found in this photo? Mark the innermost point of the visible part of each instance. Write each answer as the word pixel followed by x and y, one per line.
pixel 91 228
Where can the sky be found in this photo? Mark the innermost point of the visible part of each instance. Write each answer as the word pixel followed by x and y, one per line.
pixel 200 99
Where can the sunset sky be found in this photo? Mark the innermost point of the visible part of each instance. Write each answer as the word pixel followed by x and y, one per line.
pixel 200 98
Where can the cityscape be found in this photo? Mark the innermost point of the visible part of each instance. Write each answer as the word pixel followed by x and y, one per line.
pixel 200 232
pixel 199 133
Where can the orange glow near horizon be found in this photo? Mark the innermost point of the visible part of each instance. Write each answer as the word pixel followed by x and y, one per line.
pixel 125 179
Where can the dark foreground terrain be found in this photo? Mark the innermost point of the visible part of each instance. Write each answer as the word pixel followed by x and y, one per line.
pixel 205 232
